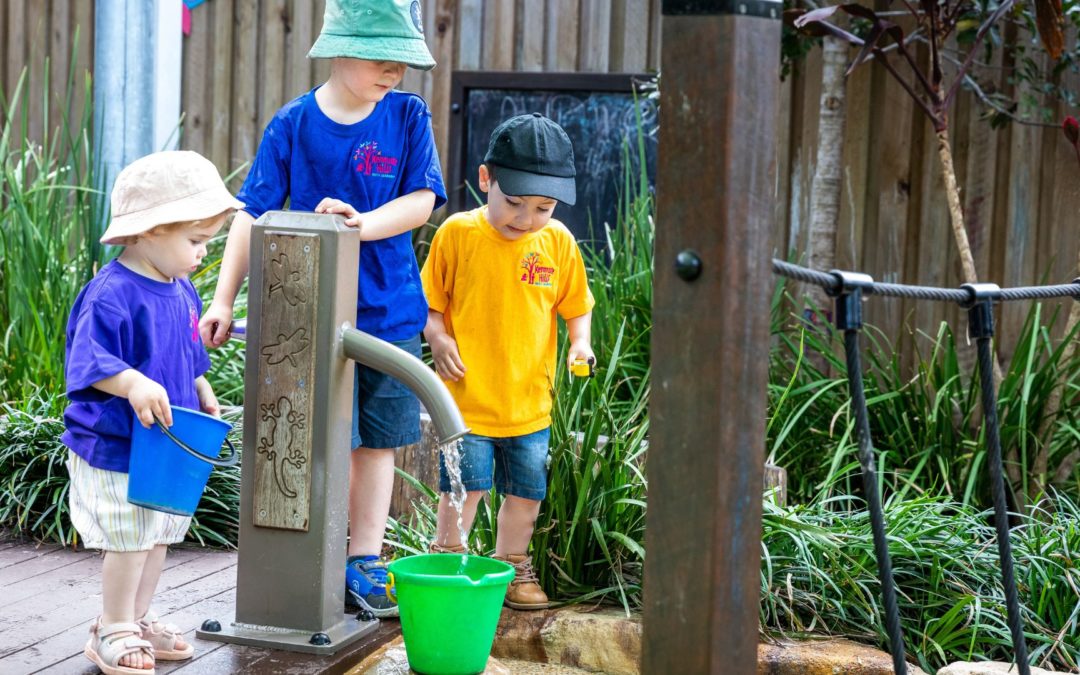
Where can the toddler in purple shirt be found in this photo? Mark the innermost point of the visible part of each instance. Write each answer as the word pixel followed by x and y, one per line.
pixel 133 350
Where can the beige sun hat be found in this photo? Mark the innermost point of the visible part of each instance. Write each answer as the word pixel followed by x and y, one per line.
pixel 165 187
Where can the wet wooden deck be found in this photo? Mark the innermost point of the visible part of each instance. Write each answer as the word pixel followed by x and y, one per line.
pixel 49 595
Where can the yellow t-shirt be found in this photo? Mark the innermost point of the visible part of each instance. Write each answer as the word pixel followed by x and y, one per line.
pixel 499 299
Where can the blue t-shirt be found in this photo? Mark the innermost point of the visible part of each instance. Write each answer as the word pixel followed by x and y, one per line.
pixel 123 320
pixel 305 156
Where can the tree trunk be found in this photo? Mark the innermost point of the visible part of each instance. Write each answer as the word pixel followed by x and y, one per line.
pixel 826 188
pixel 967 264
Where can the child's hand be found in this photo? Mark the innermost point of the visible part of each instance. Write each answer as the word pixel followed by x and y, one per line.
pixel 215 324
pixel 580 349
pixel 444 351
pixel 150 400
pixel 207 401
pixel 329 205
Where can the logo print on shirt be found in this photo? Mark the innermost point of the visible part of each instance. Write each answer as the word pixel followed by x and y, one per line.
pixel 535 273
pixel 193 323
pixel 371 162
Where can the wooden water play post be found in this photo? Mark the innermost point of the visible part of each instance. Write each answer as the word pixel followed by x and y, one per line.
pixel 710 344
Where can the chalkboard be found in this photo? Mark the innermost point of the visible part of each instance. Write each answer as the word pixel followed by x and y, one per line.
pixel 599 112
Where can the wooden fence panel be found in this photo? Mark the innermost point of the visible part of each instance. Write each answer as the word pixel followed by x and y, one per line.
pixel 530 17
pixel 197 92
pixel 221 88
pixel 37 16
pixel 82 24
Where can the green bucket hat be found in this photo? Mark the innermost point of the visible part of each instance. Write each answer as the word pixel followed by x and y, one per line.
pixel 374 30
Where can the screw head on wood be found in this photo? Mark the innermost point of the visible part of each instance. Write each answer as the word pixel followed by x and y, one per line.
pixel 688 265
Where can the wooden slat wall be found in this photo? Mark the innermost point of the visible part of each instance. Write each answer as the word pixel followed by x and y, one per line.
pixel 34 33
pixel 1020 186
pixel 245 58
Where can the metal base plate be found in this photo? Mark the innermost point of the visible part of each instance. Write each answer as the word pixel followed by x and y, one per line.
pixel 346 632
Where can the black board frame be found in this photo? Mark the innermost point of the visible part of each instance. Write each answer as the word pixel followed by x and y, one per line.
pixel 462 81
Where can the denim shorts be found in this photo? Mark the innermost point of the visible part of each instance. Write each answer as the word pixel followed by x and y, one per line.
pixel 520 464
pixel 386 414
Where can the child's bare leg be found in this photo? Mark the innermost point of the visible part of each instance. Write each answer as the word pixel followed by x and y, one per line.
pixel 121 574
pixel 371 482
pixel 155 560
pixel 447 532
pixel 517 518
pixel 148 585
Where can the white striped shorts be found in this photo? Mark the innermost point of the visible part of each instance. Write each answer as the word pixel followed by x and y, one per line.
pixel 106 520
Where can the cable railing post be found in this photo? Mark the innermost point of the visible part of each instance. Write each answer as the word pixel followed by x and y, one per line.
pixel 981 328
pixel 848 305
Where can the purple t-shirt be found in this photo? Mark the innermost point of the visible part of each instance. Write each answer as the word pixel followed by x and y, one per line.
pixel 305 156
pixel 123 320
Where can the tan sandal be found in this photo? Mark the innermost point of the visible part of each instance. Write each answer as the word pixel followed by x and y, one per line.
pixel 106 650
pixel 162 637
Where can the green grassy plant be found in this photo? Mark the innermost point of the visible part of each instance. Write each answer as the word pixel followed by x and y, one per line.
pixel 926 424
pixel 819 576
pixel 48 247
pixel 226 373
pixel 34 479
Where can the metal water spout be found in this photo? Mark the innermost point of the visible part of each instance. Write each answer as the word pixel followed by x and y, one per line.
pixel 414 374
pixel 409 370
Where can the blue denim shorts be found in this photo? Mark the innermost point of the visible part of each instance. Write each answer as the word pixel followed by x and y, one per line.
pixel 520 464
pixel 386 414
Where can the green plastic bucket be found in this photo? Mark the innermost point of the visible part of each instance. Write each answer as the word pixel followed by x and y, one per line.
pixel 449 613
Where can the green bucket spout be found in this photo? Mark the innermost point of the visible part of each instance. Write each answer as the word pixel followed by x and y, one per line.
pixel 449 611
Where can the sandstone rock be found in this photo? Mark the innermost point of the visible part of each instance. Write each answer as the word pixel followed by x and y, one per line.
pixel 599 640
pixel 986 668
pixel 824 657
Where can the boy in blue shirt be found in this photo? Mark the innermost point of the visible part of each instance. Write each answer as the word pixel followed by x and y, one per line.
pixel 133 347
pixel 356 147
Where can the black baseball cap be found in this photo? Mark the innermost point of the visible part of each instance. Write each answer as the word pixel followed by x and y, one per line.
pixel 533 156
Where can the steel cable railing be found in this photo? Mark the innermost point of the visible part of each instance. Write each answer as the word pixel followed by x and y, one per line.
pixel 849 289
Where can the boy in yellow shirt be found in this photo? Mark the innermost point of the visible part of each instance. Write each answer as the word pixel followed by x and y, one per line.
pixel 495 278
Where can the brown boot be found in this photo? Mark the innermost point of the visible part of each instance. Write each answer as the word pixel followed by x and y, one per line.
pixel 524 591
pixel 436 548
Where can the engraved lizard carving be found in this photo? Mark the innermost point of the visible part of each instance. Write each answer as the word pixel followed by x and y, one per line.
pixel 278 447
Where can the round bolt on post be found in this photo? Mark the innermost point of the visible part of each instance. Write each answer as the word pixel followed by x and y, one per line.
pixel 211 626
pixel 688 265
pixel 365 615
pixel 320 639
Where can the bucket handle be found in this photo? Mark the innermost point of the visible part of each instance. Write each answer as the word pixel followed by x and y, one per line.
pixel 230 460
pixel 391 591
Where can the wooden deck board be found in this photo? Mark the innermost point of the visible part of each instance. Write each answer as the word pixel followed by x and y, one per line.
pixel 52 607
pixel 50 595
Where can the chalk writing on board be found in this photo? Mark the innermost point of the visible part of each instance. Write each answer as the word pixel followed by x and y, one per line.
pixel 598 123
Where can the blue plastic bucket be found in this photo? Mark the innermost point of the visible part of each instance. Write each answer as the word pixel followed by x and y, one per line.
pixel 169 468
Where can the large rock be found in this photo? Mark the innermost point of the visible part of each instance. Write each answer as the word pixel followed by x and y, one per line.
pixel 986 668
pixel 824 657
pixel 600 640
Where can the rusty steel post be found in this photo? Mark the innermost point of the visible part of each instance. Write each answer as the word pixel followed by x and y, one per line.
pixel 710 343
